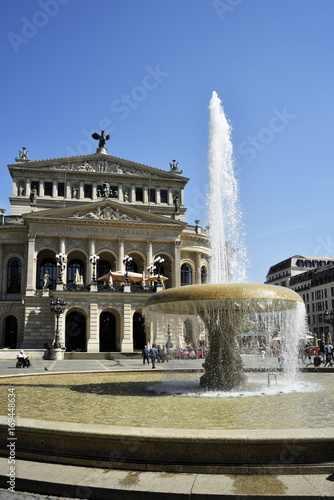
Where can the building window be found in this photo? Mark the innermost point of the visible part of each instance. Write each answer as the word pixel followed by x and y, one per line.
pixel 164 196
pixel 50 266
pixel 47 188
pixel 14 276
pixel 203 275
pixel 186 275
pixel 88 191
pixel 139 194
pixel 151 195
pixel 73 266
pixel 61 189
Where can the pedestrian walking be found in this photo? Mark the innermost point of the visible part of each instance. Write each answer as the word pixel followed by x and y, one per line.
pixel 153 354
pixel 145 355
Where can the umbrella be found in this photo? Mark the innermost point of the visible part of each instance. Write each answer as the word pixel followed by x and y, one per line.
pixel 121 275
pixel 156 277
pixel 77 277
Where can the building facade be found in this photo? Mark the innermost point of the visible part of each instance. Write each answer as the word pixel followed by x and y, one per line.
pixel 76 220
pixel 313 279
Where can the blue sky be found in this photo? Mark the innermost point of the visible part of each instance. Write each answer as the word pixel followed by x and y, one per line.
pixel 145 71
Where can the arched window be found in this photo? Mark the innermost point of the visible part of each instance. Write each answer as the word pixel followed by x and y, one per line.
pixel 133 267
pixel 103 267
pixel 203 275
pixel 186 275
pixel 14 276
pixel 73 266
pixel 50 265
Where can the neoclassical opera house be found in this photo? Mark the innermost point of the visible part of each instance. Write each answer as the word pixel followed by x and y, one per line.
pixel 84 230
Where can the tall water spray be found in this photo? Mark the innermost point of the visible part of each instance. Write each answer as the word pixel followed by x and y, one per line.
pixel 229 261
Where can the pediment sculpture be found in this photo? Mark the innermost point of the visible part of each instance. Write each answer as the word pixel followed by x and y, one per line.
pixel 105 213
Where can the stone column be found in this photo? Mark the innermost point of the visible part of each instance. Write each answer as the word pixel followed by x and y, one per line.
pixel 81 190
pixel 54 189
pixel 177 262
pixel 182 197
pixel 93 340
pixel 133 194
pixel 170 196
pixel 41 188
pixel 198 269
pixel 158 196
pixel 62 249
pixel 15 187
pixel 149 252
pixel 68 192
pixel 120 192
pixel 94 191
pixel 92 251
pixel 127 341
pixel 31 265
pixel 28 187
pixel 120 256
pixel 145 195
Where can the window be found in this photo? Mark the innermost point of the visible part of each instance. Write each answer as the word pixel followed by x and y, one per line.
pixel 50 265
pixel 151 195
pixel 186 275
pixel 139 194
pixel 47 188
pixel 61 189
pixel 88 191
pixel 203 275
pixel 73 266
pixel 14 276
pixel 164 196
pixel 103 267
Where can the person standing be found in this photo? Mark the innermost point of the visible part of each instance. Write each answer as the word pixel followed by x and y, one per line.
pixel 153 354
pixel 328 351
pixel 145 355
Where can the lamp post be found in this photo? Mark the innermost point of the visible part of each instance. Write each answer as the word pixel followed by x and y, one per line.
pixel 94 260
pixel 158 261
pixel 57 307
pixel 150 269
pixel 127 261
pixel 61 259
pixel 329 319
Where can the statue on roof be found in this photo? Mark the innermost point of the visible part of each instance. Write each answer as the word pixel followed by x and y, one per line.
pixel 101 138
pixel 174 165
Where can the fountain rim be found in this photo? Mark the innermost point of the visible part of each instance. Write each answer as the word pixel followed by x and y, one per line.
pixel 223 291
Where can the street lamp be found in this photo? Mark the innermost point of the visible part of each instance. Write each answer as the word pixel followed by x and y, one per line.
pixel 329 319
pixel 94 260
pixel 61 259
pixel 57 307
pixel 127 261
pixel 158 261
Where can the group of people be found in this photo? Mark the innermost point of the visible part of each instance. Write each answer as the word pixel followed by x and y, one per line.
pixel 156 353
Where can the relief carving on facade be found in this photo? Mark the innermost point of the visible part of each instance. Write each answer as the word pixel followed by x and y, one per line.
pixel 102 166
pixel 105 213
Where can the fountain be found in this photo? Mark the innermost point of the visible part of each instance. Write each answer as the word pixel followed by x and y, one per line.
pixel 142 443
pixel 222 305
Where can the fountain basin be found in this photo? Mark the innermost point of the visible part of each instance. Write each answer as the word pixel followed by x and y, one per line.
pixel 174 450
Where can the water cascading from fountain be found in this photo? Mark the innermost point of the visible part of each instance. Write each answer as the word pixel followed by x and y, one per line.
pixel 228 252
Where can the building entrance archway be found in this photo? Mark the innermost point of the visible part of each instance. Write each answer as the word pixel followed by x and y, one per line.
pixel 107 332
pixel 75 332
pixel 10 332
pixel 138 331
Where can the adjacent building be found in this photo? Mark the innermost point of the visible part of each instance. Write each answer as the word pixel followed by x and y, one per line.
pixel 76 220
pixel 313 278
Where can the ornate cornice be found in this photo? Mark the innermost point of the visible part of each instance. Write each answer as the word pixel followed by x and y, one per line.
pixel 105 213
